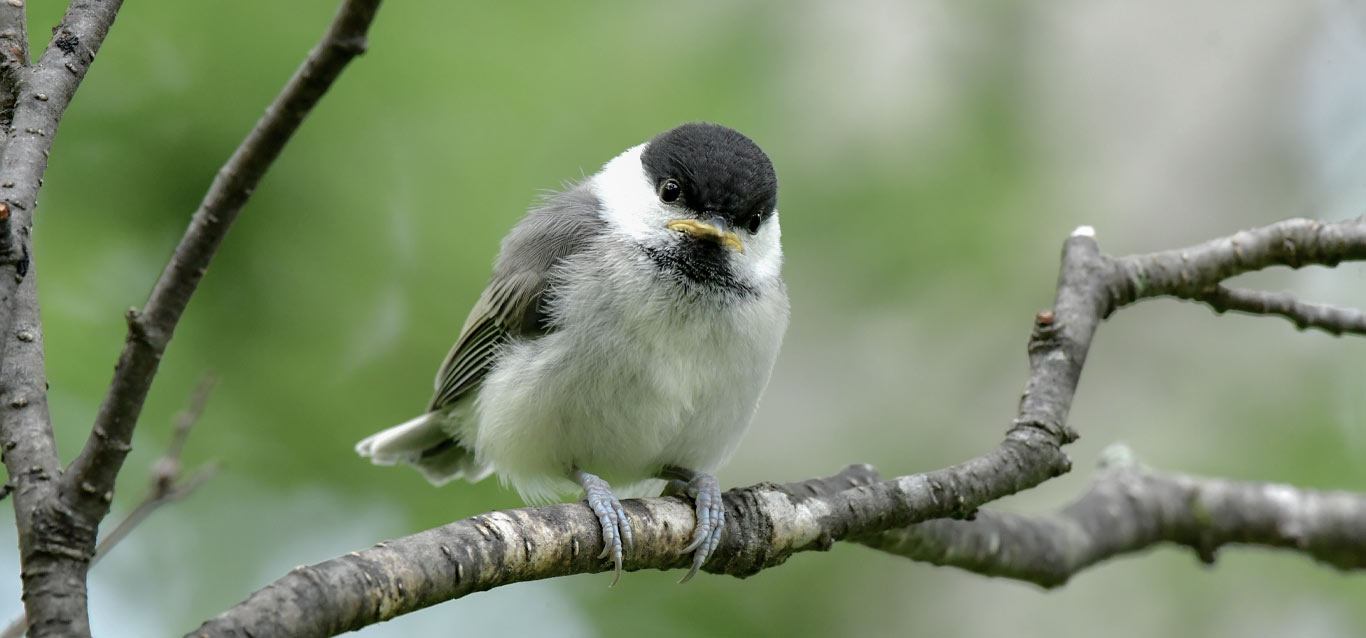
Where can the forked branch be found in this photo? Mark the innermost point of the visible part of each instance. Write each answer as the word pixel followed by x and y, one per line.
pixel 768 523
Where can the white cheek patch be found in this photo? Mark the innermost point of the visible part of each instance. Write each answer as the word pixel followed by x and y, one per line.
pixel 763 256
pixel 628 198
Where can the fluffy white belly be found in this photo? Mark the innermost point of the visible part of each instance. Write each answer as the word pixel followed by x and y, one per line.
pixel 630 388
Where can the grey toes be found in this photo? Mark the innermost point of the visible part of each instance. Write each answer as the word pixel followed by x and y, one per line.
pixel 711 520
pixel 616 529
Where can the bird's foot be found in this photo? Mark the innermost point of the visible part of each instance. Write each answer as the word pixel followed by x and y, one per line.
pixel 711 512
pixel 616 530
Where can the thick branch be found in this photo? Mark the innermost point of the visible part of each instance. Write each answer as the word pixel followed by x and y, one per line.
pixel 41 93
pixel 35 98
pixel 53 574
pixel 1330 319
pixel 765 525
pixel 1127 510
pixel 768 523
pixel 1131 508
pixel 32 102
pixel 150 330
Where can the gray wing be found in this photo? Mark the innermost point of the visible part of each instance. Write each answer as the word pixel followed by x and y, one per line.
pixel 511 307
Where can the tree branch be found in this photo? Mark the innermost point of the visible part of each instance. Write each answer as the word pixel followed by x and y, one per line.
pixel 166 487
pixel 1130 508
pixel 36 98
pixel 41 93
pixel 150 330
pixel 47 530
pixel 1330 319
pixel 1196 271
pixel 767 523
pixel 13 61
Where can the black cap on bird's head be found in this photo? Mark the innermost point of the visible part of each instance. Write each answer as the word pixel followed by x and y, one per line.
pixel 713 171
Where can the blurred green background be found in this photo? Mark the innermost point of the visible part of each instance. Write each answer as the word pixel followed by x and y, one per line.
pixel 932 157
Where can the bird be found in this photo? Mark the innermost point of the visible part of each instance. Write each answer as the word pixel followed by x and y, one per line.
pixel 631 323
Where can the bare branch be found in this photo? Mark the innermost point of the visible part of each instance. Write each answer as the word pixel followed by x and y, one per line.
pixel 768 523
pixel 184 422
pixel 165 487
pixel 29 127
pixel 13 61
pixel 32 102
pixel 1330 319
pixel 765 524
pixel 1131 508
pixel 1128 509
pixel 41 93
pixel 150 330
pixel 47 531
pixel 1191 273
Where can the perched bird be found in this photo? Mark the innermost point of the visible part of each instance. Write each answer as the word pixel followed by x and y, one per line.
pixel 629 327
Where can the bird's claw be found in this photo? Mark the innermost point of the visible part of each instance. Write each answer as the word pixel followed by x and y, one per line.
pixel 711 520
pixel 616 530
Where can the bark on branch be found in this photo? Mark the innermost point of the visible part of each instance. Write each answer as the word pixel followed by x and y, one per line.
pixel 1130 508
pixel 767 523
pixel 33 99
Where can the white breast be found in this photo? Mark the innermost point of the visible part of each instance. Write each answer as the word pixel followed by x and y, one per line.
pixel 639 376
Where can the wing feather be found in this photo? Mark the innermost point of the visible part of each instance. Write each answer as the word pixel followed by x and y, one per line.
pixel 512 305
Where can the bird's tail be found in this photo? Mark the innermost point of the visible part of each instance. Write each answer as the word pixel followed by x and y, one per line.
pixel 425 445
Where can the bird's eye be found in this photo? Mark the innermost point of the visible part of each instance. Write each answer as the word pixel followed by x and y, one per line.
pixel 669 191
pixel 753 224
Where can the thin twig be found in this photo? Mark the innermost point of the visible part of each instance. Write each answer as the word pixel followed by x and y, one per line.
pixel 150 330
pixel 166 485
pixel 167 470
pixel 1330 319
pixel 177 490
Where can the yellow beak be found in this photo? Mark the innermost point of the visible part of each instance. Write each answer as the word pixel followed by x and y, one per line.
pixel 703 230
